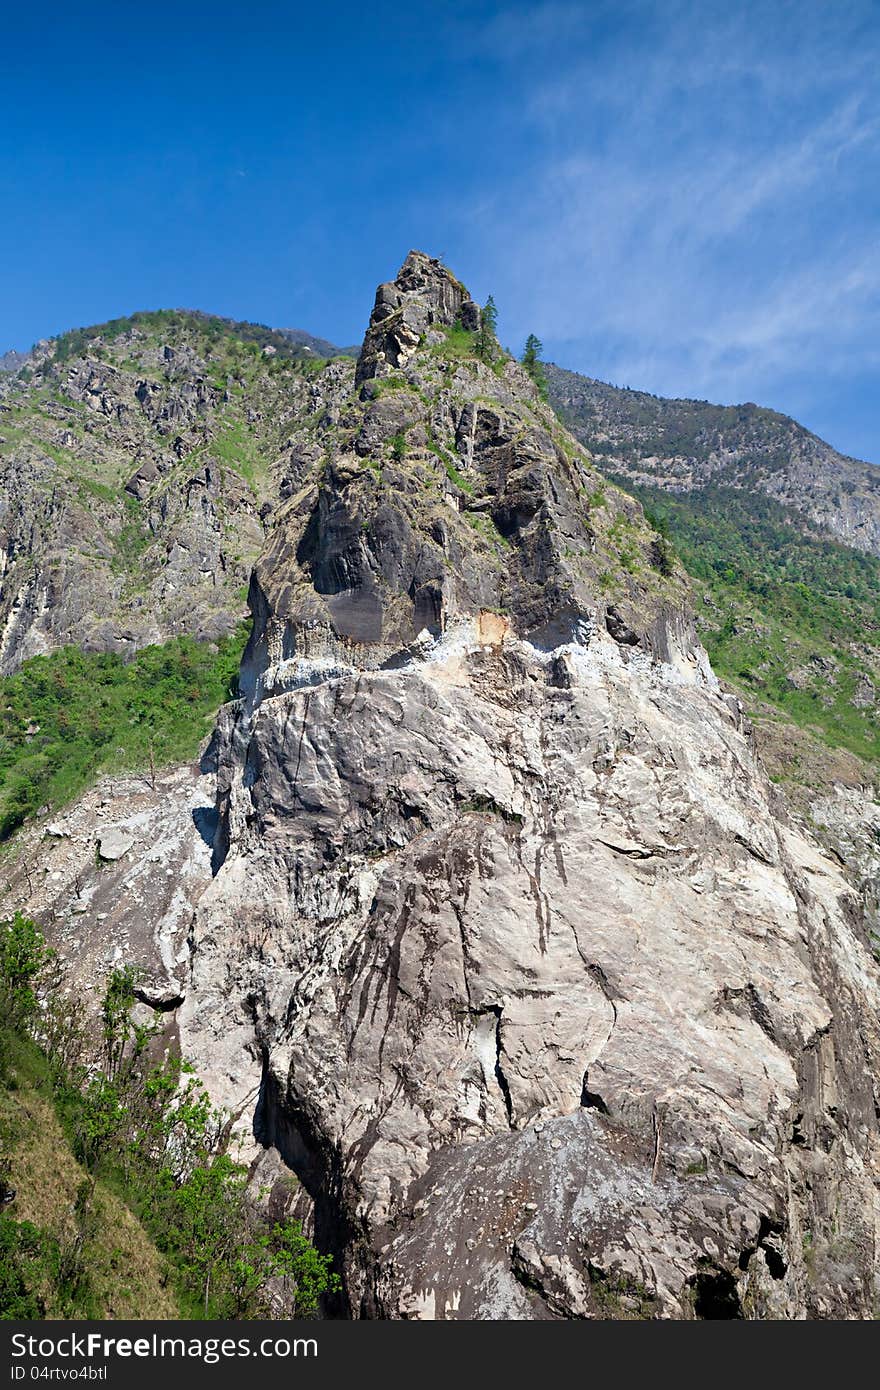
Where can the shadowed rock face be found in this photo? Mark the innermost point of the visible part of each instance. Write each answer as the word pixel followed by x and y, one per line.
pixel 551 1012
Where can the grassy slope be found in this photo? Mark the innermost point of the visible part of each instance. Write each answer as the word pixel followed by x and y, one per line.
pixel 232 356
pixel 126 1275
pixel 66 717
pixel 791 619
pixel 82 459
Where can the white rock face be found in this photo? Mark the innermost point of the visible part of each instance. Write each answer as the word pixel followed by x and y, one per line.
pixel 135 907
pixel 550 1014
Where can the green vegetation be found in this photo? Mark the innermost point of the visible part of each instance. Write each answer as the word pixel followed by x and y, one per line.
pixel 459 342
pixel 24 955
pixel 619 1296
pixel 256 336
pixel 483 524
pixel 160 1204
pixel 88 488
pixel 791 618
pixel 224 384
pixel 531 360
pixel 237 447
pixel 663 556
pixel 662 550
pixel 67 717
pixel 131 540
pixel 456 477
pixel 487 334
pixel 384 385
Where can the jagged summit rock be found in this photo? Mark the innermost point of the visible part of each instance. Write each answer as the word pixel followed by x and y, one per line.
pixel 424 298
pixel 510 952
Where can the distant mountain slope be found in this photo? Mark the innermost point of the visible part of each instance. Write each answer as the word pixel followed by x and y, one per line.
pixel 781 533
pixel 683 445
pixel 319 346
pixel 137 472
pixel 11 361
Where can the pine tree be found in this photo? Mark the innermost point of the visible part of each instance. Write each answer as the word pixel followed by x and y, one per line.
pixel 531 360
pixel 532 353
pixel 487 338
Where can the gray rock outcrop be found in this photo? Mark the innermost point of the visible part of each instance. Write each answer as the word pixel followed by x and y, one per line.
pixel 549 1007
pixel 134 908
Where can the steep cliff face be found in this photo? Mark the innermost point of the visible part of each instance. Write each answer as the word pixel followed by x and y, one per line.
pixel 547 1004
pixel 443 485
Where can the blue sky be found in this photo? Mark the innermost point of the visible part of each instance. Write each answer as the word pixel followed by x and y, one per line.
pixel 682 195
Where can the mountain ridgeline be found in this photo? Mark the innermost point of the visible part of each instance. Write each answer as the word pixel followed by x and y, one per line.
pixel 520 984
pixel 780 533
pixel 684 446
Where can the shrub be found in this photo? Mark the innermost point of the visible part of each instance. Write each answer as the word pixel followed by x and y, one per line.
pixel 148 1129
pixel 67 717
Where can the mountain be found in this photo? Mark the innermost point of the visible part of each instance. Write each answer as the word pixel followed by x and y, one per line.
pixel 686 446
pixel 136 478
pixel 496 828
pixel 780 535
pixel 519 980
pixel 319 346
pixel 12 361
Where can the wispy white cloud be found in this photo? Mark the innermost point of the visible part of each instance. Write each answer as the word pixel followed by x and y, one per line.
pixel 699 209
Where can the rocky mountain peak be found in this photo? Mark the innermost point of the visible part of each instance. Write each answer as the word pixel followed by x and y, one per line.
pixel 439 487
pixel 550 1010
pixel 424 298
pixel 507 947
